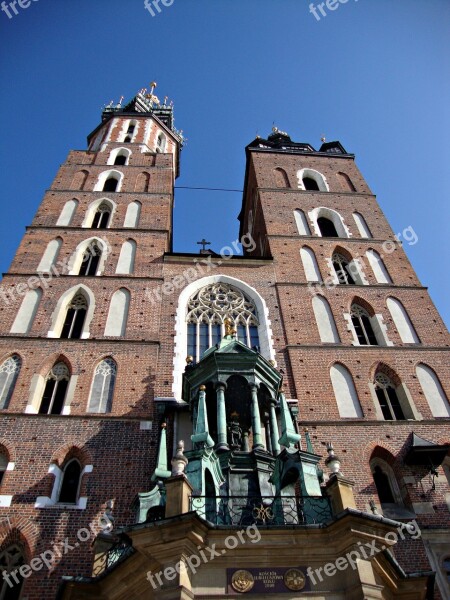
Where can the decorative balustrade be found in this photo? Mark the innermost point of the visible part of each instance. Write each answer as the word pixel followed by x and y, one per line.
pixel 266 511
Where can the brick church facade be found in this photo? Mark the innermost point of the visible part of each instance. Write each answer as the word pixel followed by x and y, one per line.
pixel 114 348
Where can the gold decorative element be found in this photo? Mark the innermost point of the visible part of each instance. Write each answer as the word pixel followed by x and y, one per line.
pixel 294 579
pixel 229 329
pixel 163 425
pixel 242 581
pixel 202 388
pixel 263 513
pixel 323 139
pixel 189 359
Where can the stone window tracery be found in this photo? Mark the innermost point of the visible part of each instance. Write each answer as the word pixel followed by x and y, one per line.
pixel 207 310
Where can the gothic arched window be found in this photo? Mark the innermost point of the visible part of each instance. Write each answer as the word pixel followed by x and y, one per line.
pixel 3 465
pixel 383 484
pixel 9 372
pixel 207 310
pixel 388 398
pixel 91 259
pixel 342 268
pixel 55 390
pixel 68 493
pixel 363 326
pixel 11 560
pixel 101 217
pixel 75 317
pixel 310 184
pixel 110 184
pixel 102 389
pixel 327 227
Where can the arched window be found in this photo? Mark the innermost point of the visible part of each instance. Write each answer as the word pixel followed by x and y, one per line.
pixel 383 485
pixel 4 461
pixel 345 392
pixel 281 178
pixel 102 216
pixel 100 399
pixel 11 560
pixel 433 391
pixel 345 182
pixel 49 257
pixel 402 321
pixel 326 227
pixel 133 214
pixel 90 261
pixel 325 320
pixel 67 213
pixel 116 323
pixel 310 179
pixel 125 265
pixel 301 222
pixel 110 184
pixel 70 483
pixel 75 317
pixel 121 159
pixel 361 224
pixel 387 397
pixel 9 372
pixel 206 312
pixel 161 143
pixel 27 311
pixel 79 180
pixel 310 184
pixel 342 269
pixel 127 139
pixel 142 182
pixel 363 326
pixel 310 265
pixel 55 390
pixel 131 128
pixel 378 267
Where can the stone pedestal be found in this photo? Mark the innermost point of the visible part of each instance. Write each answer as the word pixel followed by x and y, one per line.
pixel 340 491
pixel 178 493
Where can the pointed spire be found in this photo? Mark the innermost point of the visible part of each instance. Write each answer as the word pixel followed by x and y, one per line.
pixel 161 471
pixel 289 437
pixel 201 432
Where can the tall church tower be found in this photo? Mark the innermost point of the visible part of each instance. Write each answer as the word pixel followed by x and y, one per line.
pixel 272 423
pixel 80 347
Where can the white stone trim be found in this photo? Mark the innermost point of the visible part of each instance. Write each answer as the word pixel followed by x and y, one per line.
pixel 338 221
pixel 106 175
pixel 11 466
pixel 52 501
pixel 87 221
pixel 5 500
pixel 59 314
pixel 264 329
pixel 320 179
pixel 122 151
pixel 76 259
pixel 146 425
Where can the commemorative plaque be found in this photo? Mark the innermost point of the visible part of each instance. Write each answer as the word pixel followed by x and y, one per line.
pixel 277 580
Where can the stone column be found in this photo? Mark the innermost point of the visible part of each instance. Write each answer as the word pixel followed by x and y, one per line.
pixel 268 433
pixel 256 418
pixel 221 417
pixel 274 430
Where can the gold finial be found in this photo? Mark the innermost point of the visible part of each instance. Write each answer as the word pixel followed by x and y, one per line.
pixel 153 84
pixel 163 425
pixel 202 388
pixel 229 329
pixel 323 138
pixel 189 359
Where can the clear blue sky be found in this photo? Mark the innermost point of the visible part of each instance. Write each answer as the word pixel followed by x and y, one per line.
pixel 373 74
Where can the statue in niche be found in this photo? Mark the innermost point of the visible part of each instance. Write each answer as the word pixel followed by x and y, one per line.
pixel 235 432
